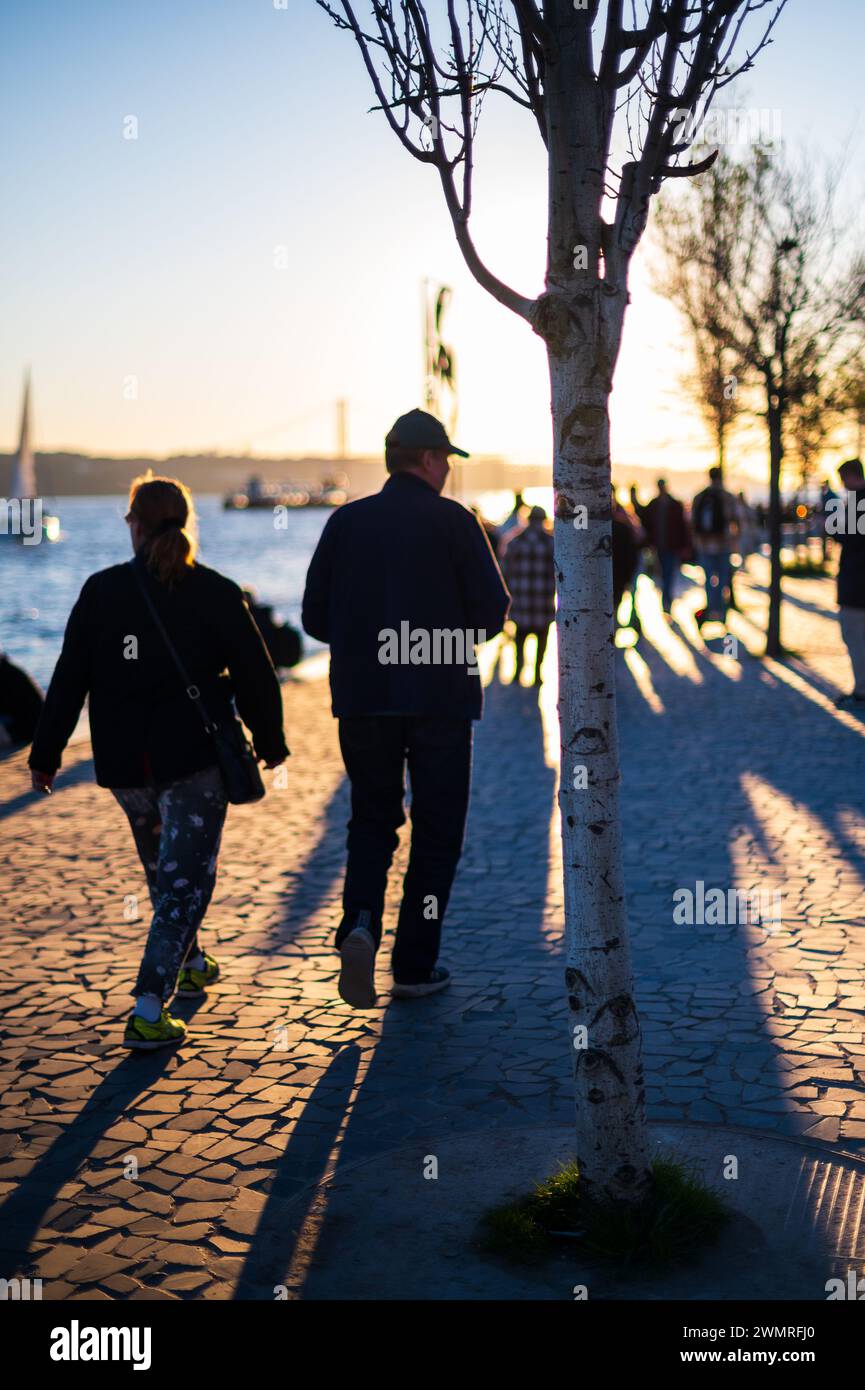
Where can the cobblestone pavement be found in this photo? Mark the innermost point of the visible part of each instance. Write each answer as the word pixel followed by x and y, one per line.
pixel 169 1175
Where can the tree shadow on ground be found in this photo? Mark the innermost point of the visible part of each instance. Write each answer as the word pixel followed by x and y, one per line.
pixel 720 806
pixel 491 1050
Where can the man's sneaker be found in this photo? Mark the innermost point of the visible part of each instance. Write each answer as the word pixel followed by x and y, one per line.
pixel 192 983
pixel 145 1036
pixel 357 975
pixel 438 978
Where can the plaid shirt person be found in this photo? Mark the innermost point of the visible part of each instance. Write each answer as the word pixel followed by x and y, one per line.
pixel 530 574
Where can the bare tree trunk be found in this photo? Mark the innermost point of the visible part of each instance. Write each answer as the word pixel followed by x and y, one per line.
pixel 547 46
pixel 580 319
pixel 612 1148
pixel 774 645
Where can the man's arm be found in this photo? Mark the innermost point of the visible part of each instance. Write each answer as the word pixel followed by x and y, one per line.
pixel 315 613
pixel 484 593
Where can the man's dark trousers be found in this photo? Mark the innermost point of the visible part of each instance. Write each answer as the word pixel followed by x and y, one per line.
pixel 376 750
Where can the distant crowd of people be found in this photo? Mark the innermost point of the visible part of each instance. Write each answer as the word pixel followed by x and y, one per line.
pixel 660 536
pixel 656 537
pixel 168 654
pixel 718 526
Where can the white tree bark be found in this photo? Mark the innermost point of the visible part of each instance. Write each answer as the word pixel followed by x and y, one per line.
pixel 580 319
pixel 612 1145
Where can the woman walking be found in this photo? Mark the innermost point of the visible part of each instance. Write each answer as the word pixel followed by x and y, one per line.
pixel 151 745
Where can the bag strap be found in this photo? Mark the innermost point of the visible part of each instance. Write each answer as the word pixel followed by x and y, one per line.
pixel 192 690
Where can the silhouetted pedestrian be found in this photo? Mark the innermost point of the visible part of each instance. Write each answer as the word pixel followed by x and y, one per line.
pixel 714 526
pixel 403 585
pixel 152 728
pixel 851 573
pixel 512 524
pixel 530 574
pixel 20 704
pixel 284 643
pixel 626 542
pixel 667 530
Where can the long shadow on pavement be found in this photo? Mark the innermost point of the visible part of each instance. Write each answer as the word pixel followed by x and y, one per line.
pixel 490 1050
pixel 73 777
pixel 709 1053
pixel 312 1143
pixel 22 1214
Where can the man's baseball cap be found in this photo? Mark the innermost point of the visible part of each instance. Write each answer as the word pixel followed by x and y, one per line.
pixel 420 430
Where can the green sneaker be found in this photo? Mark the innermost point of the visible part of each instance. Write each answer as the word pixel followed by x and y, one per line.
pixel 145 1036
pixel 192 983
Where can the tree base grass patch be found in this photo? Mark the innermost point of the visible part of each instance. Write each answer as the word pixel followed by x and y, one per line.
pixel 678 1219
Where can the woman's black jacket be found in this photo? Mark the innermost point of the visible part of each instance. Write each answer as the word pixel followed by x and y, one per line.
pixel 144 728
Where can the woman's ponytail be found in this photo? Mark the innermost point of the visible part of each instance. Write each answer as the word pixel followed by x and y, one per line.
pixel 164 510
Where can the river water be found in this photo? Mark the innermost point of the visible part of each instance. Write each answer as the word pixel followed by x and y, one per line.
pixel 39 583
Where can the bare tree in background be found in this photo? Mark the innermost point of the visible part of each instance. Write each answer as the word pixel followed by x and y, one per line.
pixel 591 75
pixel 715 388
pixel 753 254
pixel 714 382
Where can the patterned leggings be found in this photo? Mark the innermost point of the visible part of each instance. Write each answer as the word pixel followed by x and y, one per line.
pixel 177 829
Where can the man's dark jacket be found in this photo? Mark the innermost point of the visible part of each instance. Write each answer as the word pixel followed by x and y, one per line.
pixel 405 554
pixel 851 566
pixel 145 729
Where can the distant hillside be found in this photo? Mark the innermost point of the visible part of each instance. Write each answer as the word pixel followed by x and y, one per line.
pixel 65 474
pixel 71 475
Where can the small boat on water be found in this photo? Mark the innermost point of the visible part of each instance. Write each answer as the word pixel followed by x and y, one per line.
pixel 259 495
pixel 23 516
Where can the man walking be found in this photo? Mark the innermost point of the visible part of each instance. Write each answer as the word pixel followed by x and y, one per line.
pixel 713 522
pixel 663 520
pixel 851 573
pixel 403 585
pixel 530 574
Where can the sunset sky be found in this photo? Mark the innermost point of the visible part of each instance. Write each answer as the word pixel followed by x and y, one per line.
pixel 153 259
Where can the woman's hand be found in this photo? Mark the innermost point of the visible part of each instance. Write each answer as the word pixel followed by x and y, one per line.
pixel 42 781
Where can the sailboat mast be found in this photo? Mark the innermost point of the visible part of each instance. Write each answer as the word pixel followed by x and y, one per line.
pixel 24 470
